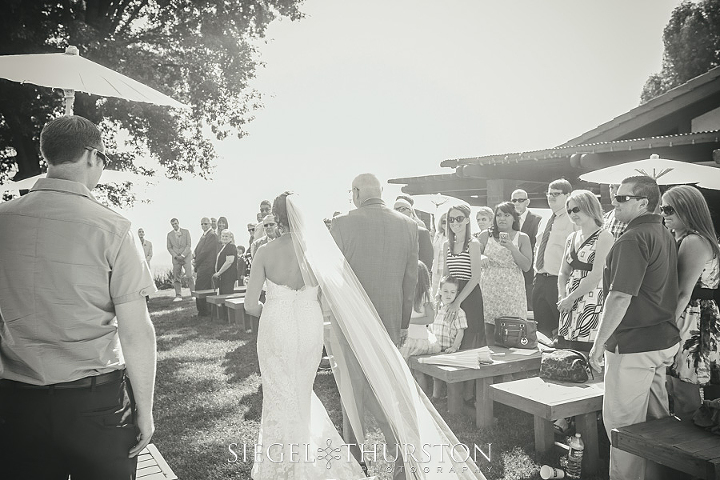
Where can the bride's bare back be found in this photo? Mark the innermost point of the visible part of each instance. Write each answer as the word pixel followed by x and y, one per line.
pixel 280 263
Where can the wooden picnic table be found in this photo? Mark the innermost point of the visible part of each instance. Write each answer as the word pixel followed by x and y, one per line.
pixel 549 400
pixel 676 444
pixel 506 361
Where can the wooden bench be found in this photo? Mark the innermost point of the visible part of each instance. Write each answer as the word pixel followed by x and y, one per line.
pixel 152 466
pixel 505 362
pixel 675 444
pixel 203 293
pixel 548 400
pixel 217 305
pixel 236 312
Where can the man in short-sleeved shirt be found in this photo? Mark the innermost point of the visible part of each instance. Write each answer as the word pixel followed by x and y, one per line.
pixel 637 332
pixel 74 327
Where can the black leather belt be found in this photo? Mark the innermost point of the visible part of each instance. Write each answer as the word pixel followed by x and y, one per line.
pixel 86 382
pixel 545 274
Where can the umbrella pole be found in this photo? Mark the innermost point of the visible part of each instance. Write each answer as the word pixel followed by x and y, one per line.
pixel 69 100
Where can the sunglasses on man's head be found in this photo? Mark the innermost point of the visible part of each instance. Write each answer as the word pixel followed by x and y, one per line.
pixel 268 225
pixel 667 210
pixel 518 200
pixel 625 198
pixel 573 210
pixel 458 219
pixel 204 223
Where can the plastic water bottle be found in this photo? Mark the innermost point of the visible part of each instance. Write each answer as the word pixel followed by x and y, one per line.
pixel 574 467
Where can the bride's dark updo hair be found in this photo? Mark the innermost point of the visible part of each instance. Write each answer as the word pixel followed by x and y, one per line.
pixel 279 209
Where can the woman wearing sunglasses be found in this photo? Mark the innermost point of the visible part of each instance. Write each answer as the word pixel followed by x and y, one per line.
pixel 697 363
pixel 509 255
pixel 462 261
pixel 580 279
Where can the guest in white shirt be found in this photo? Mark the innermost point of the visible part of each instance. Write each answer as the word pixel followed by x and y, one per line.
pixel 550 245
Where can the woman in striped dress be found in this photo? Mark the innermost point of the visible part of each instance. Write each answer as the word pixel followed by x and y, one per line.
pixel 462 261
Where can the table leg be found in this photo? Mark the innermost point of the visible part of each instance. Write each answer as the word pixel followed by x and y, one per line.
pixel 586 425
pixel 455 398
pixel 213 312
pixel 232 315
pixel 483 403
pixel 544 434
pixel 245 317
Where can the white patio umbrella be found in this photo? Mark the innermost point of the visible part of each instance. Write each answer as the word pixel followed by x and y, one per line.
pixel 108 176
pixel 430 203
pixel 664 171
pixel 71 72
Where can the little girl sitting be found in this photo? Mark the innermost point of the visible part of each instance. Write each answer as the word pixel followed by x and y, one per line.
pixel 448 327
pixel 420 340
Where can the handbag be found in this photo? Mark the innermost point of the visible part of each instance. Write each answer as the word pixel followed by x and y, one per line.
pixel 565 366
pixel 708 416
pixel 514 332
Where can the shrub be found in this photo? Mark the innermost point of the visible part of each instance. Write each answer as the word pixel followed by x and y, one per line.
pixel 164 280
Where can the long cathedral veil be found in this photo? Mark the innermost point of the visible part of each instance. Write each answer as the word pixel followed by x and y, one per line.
pixel 418 427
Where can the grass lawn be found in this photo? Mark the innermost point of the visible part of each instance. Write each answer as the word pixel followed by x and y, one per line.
pixel 208 396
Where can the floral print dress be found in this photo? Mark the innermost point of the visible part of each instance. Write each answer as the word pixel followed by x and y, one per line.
pixel 503 283
pixel 698 360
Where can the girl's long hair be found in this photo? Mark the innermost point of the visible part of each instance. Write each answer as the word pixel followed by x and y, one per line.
pixel 691 207
pixel 422 288
pixel 465 209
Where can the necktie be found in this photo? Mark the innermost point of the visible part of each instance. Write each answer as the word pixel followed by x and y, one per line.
pixel 540 262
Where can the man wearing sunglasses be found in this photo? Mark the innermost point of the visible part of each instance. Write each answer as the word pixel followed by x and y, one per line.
pixel 637 334
pixel 610 222
pixel 76 332
pixel 529 223
pixel 269 227
pixel 265 209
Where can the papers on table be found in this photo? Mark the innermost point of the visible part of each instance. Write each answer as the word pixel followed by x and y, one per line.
pixel 474 358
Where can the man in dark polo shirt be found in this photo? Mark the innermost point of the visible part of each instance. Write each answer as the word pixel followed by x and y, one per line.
pixel 637 333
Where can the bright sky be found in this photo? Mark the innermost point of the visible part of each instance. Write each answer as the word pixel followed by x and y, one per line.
pixel 394 87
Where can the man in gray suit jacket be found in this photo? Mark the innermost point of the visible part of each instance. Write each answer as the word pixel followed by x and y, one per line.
pixel 179 246
pixel 381 246
pixel 206 252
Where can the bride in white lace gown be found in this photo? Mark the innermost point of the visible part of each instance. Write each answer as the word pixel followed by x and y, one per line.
pixel 306 279
pixel 289 347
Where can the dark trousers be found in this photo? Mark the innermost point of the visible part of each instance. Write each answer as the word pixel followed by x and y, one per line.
pixel 474 335
pixel 544 299
pixel 48 434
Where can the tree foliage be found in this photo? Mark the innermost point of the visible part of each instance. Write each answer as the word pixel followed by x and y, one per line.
pixel 692 46
pixel 199 52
